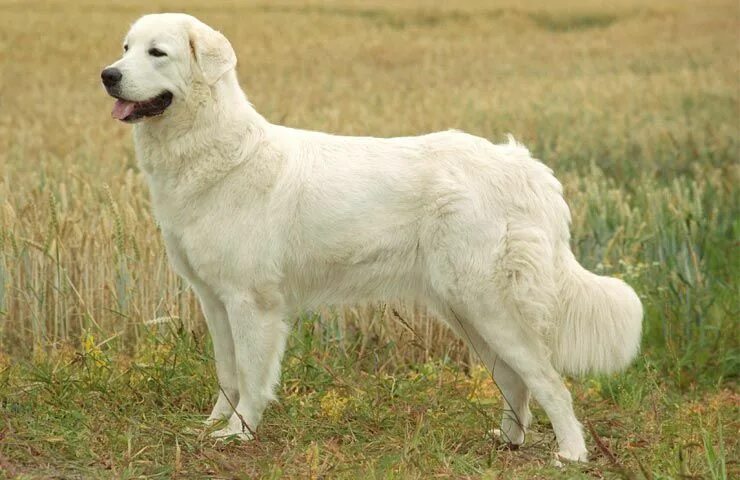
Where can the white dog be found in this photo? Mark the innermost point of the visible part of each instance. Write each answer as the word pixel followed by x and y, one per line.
pixel 265 220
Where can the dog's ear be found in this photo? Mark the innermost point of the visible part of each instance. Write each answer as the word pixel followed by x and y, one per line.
pixel 212 51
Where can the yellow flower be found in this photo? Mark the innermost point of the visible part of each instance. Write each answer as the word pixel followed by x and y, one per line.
pixel 90 349
pixel 333 404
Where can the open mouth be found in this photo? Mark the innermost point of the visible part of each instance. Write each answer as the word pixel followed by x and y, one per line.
pixel 128 111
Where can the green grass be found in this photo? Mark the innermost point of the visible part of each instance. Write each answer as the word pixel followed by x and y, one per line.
pixel 98 413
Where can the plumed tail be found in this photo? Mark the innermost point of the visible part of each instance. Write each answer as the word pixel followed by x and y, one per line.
pixel 598 323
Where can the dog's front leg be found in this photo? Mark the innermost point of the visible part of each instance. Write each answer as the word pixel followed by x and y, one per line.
pixel 223 349
pixel 259 334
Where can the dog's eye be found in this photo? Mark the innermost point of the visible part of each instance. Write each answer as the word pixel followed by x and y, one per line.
pixel 155 52
pixel 125 48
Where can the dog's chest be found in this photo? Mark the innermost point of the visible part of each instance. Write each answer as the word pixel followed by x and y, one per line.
pixel 210 252
pixel 218 242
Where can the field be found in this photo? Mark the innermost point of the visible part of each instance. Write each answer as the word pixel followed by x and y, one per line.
pixel 105 366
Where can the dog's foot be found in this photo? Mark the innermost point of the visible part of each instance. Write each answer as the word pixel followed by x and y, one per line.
pixel 235 429
pixel 512 443
pixel 229 433
pixel 574 455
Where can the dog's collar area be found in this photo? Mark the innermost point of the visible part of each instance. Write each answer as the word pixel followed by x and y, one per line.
pixel 128 111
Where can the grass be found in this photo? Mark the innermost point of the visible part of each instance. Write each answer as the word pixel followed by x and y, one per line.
pixel 104 361
pixel 93 414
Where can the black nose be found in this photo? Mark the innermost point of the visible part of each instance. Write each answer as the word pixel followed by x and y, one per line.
pixel 111 76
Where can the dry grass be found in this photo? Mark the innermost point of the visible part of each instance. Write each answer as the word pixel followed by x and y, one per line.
pixel 635 107
pixel 627 90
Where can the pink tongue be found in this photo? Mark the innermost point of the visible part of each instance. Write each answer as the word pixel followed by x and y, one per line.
pixel 122 109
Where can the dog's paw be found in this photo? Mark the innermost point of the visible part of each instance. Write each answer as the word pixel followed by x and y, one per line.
pixel 512 444
pixel 571 456
pixel 235 429
pixel 228 434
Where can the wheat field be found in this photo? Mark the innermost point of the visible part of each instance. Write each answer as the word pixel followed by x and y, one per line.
pixel 634 105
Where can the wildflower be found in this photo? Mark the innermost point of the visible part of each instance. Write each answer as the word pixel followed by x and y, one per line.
pixel 91 350
pixel 333 405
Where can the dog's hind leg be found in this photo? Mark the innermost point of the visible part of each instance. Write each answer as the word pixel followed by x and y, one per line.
pixel 516 416
pixel 527 361
pixel 520 365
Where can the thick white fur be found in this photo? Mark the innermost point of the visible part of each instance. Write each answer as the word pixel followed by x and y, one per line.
pixel 265 220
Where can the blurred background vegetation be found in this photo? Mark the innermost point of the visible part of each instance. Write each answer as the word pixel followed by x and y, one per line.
pixel 633 104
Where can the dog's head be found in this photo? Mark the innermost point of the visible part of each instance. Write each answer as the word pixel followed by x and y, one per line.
pixel 164 57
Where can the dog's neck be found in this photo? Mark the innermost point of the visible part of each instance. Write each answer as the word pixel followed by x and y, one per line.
pixel 194 147
pixel 191 138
